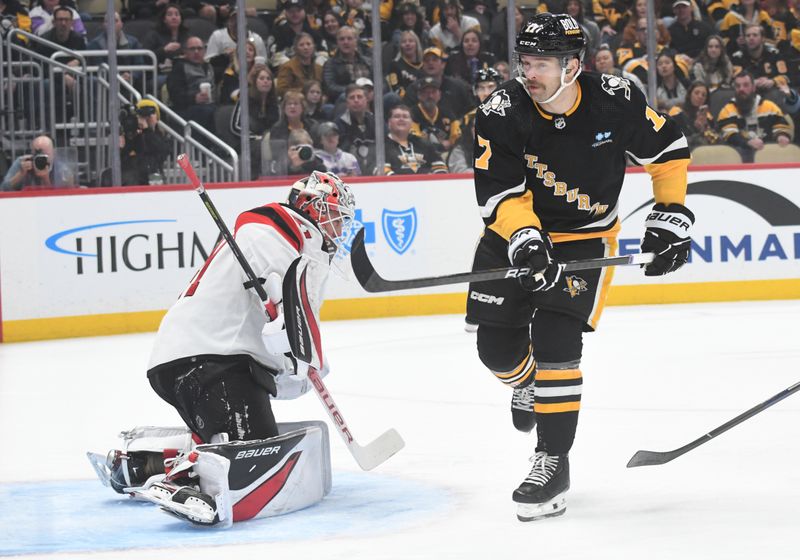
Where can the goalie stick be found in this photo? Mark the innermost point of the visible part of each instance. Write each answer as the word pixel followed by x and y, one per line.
pixel 367 456
pixel 371 281
pixel 644 458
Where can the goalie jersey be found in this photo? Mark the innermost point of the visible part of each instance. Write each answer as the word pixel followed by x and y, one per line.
pixel 216 315
pixel 563 173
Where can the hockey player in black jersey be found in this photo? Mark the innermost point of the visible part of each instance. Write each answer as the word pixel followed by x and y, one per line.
pixel 550 156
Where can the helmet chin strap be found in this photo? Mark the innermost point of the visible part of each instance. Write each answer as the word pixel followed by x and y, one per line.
pixel 563 84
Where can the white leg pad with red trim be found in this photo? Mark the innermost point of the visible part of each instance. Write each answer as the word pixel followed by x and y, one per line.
pixel 260 478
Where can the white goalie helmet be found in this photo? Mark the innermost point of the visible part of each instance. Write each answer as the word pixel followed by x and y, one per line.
pixel 329 202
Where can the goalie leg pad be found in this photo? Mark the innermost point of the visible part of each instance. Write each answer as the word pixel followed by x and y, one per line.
pixel 258 478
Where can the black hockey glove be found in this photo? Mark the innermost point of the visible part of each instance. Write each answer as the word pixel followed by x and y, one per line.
pixel 531 247
pixel 667 235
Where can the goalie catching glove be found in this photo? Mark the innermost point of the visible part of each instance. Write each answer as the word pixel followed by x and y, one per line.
pixel 531 247
pixel 667 236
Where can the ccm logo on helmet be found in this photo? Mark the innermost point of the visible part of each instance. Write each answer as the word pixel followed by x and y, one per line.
pixel 257 452
pixel 486 298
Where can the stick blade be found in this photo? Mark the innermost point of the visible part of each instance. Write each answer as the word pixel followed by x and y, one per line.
pixel 378 451
pixel 644 458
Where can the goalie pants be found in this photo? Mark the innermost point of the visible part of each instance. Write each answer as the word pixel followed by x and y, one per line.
pixel 216 394
pixel 537 337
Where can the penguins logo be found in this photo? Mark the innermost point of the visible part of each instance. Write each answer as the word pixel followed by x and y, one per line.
pixel 612 84
pixel 497 103
pixel 575 286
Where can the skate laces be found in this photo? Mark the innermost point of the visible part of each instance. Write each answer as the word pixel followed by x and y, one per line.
pixel 523 398
pixel 544 466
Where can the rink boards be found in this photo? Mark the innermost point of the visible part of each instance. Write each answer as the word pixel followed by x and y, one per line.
pixel 86 262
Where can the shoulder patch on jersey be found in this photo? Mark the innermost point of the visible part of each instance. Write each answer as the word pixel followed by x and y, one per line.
pixel 612 84
pixel 497 103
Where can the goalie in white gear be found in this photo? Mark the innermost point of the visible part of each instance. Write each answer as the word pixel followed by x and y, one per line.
pixel 218 358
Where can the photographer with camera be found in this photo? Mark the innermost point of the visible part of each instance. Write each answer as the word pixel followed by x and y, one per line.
pixel 299 159
pixel 37 170
pixel 143 146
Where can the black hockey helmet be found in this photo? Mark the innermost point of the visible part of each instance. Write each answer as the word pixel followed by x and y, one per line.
pixel 488 75
pixel 549 34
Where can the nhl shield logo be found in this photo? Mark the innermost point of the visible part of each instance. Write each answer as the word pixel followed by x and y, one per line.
pixel 399 228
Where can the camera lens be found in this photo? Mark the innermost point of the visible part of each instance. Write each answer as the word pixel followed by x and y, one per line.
pixel 40 161
pixel 305 153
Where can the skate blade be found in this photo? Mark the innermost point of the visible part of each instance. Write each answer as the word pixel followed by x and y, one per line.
pixel 533 512
pixel 100 467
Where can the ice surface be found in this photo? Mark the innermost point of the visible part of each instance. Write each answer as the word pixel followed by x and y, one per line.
pixel 655 377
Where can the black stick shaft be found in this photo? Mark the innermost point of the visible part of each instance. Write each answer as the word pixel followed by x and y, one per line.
pixel 186 165
pixel 644 458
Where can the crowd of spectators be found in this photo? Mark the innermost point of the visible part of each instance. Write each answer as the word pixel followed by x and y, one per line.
pixel 727 70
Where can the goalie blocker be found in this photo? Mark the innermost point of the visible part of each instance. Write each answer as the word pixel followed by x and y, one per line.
pixel 222 483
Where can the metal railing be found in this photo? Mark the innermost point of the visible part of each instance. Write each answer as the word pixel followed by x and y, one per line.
pixel 67 97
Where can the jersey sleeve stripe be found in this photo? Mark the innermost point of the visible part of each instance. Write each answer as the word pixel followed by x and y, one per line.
pixel 491 204
pixel 676 146
pixel 275 217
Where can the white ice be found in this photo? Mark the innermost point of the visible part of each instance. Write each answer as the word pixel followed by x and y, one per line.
pixel 655 377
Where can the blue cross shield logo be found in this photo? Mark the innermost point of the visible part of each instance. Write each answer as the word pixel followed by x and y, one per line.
pixel 399 228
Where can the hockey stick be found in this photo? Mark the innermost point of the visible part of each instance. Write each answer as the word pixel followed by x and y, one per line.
pixel 367 456
pixel 371 281
pixel 644 458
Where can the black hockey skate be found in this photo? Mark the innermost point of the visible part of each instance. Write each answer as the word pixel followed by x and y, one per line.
pixel 542 493
pixel 522 414
pixel 132 469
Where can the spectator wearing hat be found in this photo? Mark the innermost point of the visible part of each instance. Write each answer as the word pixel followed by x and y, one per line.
pixel 433 121
pixel 407 17
pixel 455 90
pixel 335 159
pixel 302 67
pixel 406 67
pixel 287 26
pixel 407 154
pixel 688 35
pixel 143 151
pixel 346 66
pixel 465 62
pixel 357 128
pixel 452 24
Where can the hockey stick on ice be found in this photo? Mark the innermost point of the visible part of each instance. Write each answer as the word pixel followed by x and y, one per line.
pixel 371 281
pixel 367 456
pixel 644 458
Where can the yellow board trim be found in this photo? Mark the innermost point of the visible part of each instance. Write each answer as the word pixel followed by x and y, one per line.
pixel 399 306
pixel 550 408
